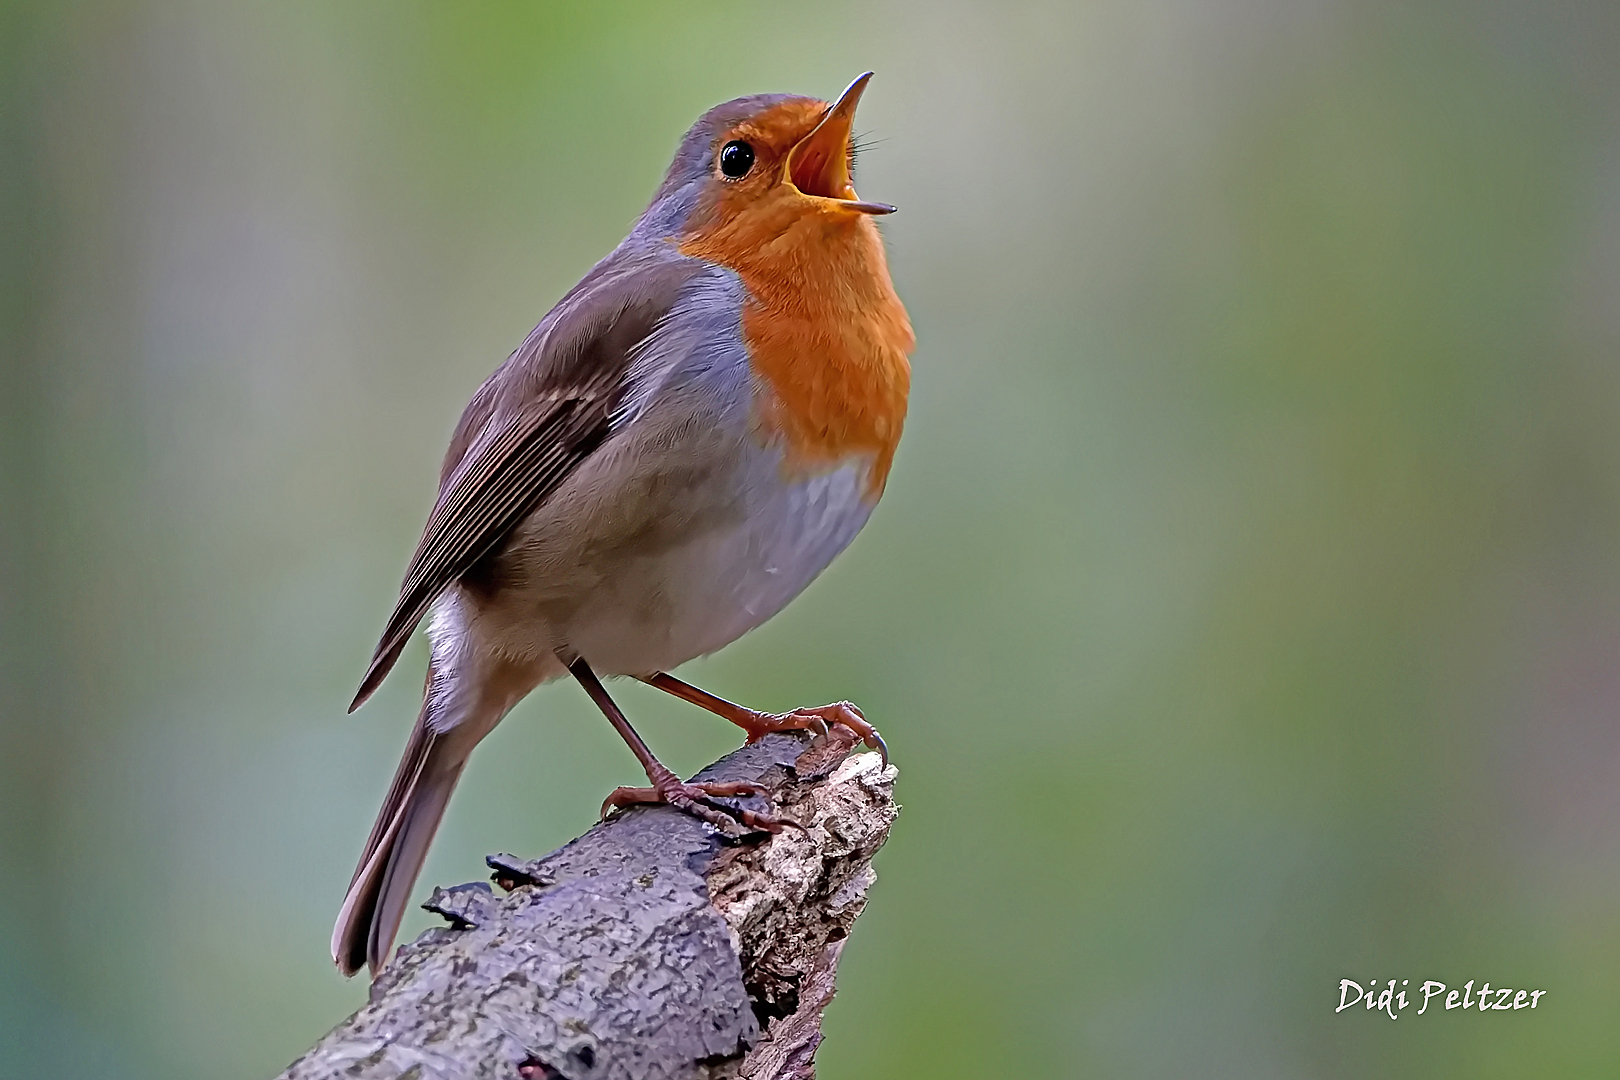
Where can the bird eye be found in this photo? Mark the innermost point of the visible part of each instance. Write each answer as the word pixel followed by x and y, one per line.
pixel 736 158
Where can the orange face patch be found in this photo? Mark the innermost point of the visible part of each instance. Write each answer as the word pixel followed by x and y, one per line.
pixel 823 325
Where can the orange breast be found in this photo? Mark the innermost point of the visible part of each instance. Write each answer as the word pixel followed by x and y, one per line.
pixel 823 326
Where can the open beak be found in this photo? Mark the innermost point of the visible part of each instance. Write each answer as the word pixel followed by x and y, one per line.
pixel 819 164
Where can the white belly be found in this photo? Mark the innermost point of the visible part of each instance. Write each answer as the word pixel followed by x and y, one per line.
pixel 660 611
pixel 594 585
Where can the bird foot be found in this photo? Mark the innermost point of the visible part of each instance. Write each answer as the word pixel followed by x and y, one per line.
pixel 699 800
pixel 820 720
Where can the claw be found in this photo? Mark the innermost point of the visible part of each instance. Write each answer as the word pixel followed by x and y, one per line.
pixel 621 797
pixel 874 741
pixel 846 715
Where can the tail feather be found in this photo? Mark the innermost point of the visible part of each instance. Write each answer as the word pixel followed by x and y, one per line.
pixel 381 887
pixel 451 723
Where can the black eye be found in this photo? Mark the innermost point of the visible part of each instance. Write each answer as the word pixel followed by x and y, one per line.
pixel 736 158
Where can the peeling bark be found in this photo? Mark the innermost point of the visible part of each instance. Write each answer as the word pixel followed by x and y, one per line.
pixel 651 948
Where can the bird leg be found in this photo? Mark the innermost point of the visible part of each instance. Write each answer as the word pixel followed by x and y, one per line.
pixel 760 724
pixel 697 799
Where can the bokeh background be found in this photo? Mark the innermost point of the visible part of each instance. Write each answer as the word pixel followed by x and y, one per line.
pixel 1244 612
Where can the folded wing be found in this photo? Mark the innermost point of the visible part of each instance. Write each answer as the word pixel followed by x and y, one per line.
pixel 530 425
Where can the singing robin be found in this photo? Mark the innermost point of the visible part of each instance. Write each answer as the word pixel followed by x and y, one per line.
pixel 678 448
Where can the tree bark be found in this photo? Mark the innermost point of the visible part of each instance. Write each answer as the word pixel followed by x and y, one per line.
pixel 651 948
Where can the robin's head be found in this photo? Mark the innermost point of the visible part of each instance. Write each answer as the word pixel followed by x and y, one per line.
pixel 758 165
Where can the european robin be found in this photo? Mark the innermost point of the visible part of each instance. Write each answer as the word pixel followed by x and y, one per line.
pixel 678 448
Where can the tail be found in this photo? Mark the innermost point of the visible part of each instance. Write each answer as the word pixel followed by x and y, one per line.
pixel 382 883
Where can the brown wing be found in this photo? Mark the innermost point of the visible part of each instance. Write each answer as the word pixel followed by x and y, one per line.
pixel 530 425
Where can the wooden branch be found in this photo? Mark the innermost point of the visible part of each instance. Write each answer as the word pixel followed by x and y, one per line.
pixel 651 948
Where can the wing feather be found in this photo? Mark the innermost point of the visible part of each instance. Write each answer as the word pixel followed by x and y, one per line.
pixel 537 417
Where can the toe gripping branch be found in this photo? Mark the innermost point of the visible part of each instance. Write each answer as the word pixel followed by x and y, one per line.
pixel 701 799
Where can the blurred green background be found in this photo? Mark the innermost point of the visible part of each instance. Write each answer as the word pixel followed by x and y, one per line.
pixel 1244 612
